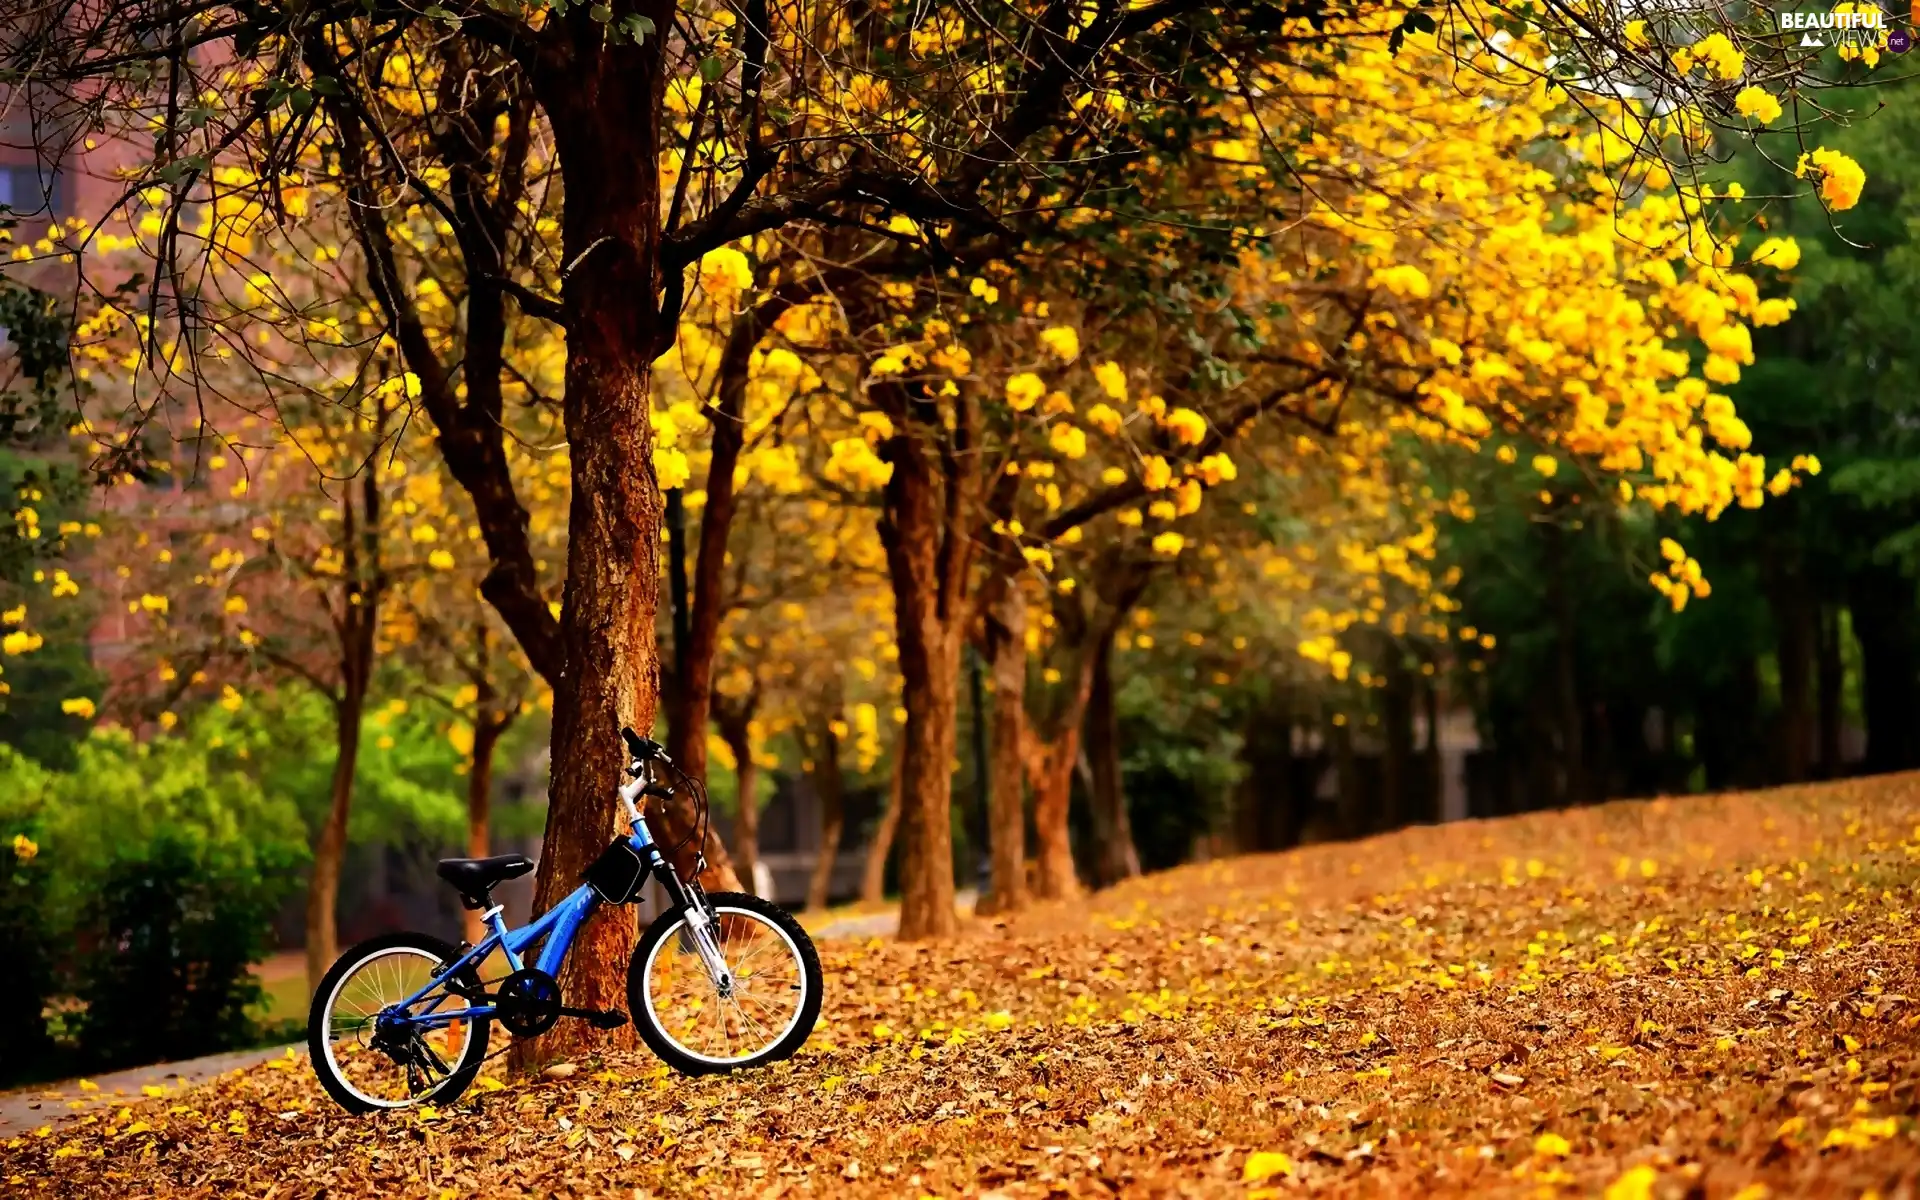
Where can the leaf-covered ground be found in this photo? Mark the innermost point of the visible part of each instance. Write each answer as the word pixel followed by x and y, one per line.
pixel 1709 996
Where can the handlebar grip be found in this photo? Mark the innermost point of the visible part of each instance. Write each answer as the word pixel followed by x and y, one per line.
pixel 642 749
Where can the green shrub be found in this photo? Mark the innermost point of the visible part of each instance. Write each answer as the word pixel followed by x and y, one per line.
pixel 178 927
pixel 27 946
pixel 159 868
pixel 161 864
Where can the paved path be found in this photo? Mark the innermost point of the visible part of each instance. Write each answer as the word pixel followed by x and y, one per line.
pixel 859 926
pixel 856 928
pixel 28 1109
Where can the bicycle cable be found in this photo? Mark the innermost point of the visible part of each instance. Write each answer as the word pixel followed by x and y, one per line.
pixel 702 826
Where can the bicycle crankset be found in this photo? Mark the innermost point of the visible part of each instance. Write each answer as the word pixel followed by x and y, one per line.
pixel 528 1003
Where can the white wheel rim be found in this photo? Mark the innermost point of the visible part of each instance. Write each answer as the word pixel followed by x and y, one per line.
pixel 390 985
pixel 748 1007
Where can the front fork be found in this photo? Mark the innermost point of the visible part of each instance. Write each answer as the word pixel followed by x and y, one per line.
pixel 691 898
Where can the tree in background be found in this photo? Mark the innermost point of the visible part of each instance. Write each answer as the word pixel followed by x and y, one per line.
pixel 888 152
pixel 1809 629
pixel 279 559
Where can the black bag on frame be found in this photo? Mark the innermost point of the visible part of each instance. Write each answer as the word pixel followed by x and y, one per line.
pixel 617 874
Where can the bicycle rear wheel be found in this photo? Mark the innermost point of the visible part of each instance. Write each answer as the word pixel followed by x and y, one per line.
pixel 763 1013
pixel 366 1067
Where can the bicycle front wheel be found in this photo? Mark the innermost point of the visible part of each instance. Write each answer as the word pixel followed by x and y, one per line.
pixel 760 1012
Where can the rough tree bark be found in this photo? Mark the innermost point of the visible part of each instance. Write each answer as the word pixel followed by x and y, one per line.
pixel 606 124
pixel 927 527
pixel 1050 770
pixel 603 100
pixel 1006 637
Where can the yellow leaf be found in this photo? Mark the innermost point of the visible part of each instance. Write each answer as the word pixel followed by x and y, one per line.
pixel 1265 1164
pixel 1636 1184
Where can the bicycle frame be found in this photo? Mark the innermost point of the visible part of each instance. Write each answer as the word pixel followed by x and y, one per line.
pixel 554 930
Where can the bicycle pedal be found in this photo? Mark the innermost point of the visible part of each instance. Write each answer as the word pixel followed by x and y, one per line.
pixel 610 1019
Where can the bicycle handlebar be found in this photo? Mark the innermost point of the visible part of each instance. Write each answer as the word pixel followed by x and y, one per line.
pixel 644 752
pixel 641 749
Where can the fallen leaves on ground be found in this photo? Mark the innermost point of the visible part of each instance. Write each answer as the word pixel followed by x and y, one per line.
pixel 1710 996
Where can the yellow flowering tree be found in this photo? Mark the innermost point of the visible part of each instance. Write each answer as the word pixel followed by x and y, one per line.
pixel 538 170
pixel 276 556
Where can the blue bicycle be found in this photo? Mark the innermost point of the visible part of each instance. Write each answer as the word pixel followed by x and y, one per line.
pixel 716 984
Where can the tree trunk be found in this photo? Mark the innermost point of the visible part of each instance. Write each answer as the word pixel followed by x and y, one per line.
pixel 1832 680
pixel 873 881
pixel 736 728
pixel 1007 817
pixel 691 696
pixel 1115 857
pixel 926 796
pixel 828 785
pixel 323 885
pixel 606 124
pixel 926 542
pixel 357 620
pixel 1050 768
pixel 486 737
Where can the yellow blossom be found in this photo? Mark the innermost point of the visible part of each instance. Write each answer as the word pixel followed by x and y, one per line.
pixel 1024 391
pixel 1780 253
pixel 1063 341
pixel 1840 178
pixel 1758 104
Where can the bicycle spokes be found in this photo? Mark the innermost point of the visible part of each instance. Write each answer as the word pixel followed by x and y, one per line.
pixel 737 1008
pixel 378 1050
